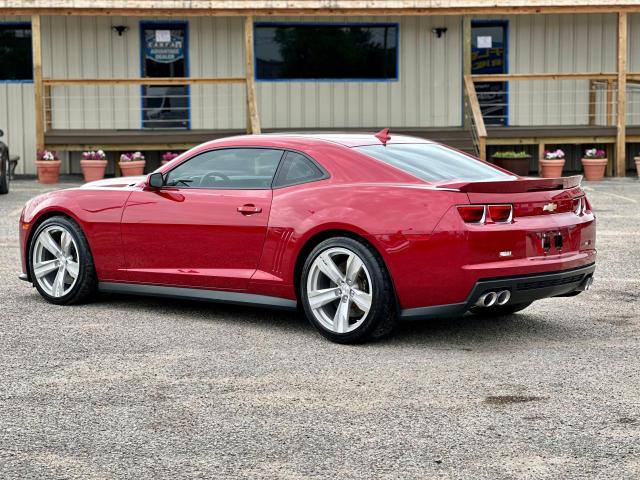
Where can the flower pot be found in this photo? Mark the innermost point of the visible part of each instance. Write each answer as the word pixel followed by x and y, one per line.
pixel 93 169
pixel 48 170
pixel 551 168
pixel 637 159
pixel 130 169
pixel 519 165
pixel 594 168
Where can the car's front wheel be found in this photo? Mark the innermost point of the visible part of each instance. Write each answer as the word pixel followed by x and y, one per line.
pixel 346 291
pixel 60 262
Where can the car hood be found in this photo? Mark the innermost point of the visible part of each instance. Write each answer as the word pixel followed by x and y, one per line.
pixel 117 182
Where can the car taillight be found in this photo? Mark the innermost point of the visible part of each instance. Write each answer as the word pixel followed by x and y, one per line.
pixel 486 213
pixel 472 213
pixel 501 213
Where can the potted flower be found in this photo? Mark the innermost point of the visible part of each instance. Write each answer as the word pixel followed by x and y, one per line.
pixel 132 164
pixel 93 164
pixel 516 162
pixel 594 163
pixel 552 163
pixel 48 166
pixel 167 157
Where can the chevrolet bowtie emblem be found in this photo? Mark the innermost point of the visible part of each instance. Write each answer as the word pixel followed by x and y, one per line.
pixel 550 207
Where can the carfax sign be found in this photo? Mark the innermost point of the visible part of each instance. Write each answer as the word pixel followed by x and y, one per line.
pixel 164 46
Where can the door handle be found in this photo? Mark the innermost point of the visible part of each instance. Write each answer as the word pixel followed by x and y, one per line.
pixel 249 209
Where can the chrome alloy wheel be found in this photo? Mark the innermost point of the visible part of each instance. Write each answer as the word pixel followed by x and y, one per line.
pixel 55 261
pixel 339 290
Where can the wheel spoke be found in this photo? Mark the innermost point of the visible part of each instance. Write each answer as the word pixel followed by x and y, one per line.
pixel 329 268
pixel 362 300
pixel 58 283
pixel 40 269
pixel 319 298
pixel 341 318
pixel 354 265
pixel 73 268
pixel 65 242
pixel 50 244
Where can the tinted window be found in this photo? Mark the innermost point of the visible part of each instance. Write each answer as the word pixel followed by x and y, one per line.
pixel 297 168
pixel 306 52
pixel 433 162
pixel 15 52
pixel 233 168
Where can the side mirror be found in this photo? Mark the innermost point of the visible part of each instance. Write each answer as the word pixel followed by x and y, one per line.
pixel 156 180
pixel 1 133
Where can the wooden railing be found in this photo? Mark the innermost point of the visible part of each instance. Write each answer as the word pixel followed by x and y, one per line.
pixel 614 97
pixel 476 121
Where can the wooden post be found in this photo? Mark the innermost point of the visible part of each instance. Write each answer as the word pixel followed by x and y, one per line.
pixel 540 155
pixel 36 50
pixel 592 102
pixel 466 52
pixel 609 120
pixel 621 138
pixel 482 147
pixel 253 120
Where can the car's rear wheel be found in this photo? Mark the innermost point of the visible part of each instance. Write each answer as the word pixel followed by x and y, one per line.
pixel 4 176
pixel 60 262
pixel 500 310
pixel 346 291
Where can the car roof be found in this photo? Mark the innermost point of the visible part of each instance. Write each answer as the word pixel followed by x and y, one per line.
pixel 294 139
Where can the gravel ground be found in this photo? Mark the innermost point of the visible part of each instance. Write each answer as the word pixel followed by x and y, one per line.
pixel 145 388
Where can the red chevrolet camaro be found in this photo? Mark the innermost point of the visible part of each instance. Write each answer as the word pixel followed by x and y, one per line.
pixel 361 231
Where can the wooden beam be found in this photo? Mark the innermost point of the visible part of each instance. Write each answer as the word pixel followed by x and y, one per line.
pixel 475 106
pixel 504 77
pixel 345 8
pixel 36 53
pixel 253 120
pixel 621 141
pixel 466 52
pixel 140 81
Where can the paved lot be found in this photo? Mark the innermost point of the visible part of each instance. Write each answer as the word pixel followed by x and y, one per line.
pixel 147 388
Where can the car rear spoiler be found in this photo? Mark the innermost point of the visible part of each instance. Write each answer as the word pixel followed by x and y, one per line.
pixel 520 185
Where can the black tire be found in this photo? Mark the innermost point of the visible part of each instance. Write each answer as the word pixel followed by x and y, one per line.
pixel 4 177
pixel 500 310
pixel 86 285
pixel 382 316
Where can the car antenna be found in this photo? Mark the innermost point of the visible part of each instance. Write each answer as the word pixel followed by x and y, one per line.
pixel 383 136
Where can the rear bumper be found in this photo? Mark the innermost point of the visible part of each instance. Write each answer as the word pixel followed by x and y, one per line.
pixel 523 288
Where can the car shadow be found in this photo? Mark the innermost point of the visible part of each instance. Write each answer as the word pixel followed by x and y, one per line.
pixel 468 332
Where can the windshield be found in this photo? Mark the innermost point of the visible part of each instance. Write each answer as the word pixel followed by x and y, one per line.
pixel 433 162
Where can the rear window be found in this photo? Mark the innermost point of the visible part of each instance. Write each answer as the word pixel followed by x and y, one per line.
pixel 432 162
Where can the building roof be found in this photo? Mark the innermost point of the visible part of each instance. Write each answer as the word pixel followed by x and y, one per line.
pixel 308 7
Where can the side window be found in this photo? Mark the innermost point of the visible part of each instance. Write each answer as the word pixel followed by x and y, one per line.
pixel 230 168
pixel 297 168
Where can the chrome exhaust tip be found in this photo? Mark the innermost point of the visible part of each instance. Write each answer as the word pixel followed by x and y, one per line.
pixel 487 299
pixel 586 284
pixel 503 297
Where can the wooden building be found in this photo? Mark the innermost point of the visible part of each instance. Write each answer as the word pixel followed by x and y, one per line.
pixel 157 75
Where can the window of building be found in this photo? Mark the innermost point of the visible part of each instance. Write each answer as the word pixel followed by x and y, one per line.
pixel 228 168
pixel 15 52
pixel 296 169
pixel 290 51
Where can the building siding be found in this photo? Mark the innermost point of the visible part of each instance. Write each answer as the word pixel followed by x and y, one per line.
pixel 428 92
